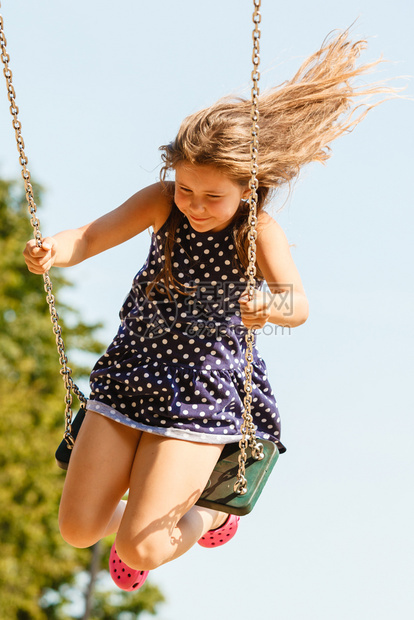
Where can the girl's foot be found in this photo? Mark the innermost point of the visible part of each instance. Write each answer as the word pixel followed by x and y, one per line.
pixel 221 535
pixel 125 577
pixel 220 519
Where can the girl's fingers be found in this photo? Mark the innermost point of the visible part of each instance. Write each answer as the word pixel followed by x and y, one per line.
pixel 39 259
pixel 33 249
pixel 36 267
pixel 254 312
pixel 38 252
pixel 246 304
pixel 252 308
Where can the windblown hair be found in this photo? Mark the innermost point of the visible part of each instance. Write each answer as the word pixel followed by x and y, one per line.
pixel 297 121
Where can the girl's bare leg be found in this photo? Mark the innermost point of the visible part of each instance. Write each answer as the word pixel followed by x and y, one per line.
pixel 97 479
pixel 160 521
pixel 165 478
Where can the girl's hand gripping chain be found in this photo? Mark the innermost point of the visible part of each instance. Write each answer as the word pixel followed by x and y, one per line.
pixel 40 259
pixel 254 312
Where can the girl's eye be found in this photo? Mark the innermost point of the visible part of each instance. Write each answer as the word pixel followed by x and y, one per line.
pixel 211 196
pixel 185 189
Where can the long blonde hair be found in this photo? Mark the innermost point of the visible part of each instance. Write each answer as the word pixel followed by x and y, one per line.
pixel 298 120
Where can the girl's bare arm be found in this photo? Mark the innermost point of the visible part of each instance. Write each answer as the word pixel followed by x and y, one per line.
pixel 148 207
pixel 286 304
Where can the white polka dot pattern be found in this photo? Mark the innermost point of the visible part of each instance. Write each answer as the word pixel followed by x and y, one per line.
pixel 176 367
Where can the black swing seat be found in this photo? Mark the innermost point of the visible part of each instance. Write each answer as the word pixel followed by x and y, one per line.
pixel 219 493
pixel 62 454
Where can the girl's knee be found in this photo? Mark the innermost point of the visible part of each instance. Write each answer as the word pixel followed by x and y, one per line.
pixel 78 531
pixel 148 554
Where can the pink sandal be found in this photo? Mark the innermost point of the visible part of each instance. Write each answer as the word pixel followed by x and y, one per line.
pixel 125 578
pixel 218 537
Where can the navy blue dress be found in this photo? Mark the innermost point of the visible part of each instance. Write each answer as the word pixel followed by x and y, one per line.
pixel 176 367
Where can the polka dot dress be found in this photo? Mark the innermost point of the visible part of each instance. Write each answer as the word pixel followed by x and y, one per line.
pixel 176 366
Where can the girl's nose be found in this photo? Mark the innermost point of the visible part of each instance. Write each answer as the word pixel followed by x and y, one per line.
pixel 196 205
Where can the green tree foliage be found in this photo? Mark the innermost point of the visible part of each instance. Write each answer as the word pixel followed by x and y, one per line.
pixel 34 559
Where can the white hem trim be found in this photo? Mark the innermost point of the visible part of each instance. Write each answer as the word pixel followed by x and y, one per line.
pixel 174 433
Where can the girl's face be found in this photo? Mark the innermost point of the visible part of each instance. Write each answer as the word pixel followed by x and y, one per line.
pixel 206 196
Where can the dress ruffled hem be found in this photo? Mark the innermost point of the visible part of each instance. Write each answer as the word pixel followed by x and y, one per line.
pixel 173 432
pixel 195 404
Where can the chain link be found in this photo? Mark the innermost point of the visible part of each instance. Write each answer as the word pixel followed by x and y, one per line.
pixel 248 428
pixel 65 370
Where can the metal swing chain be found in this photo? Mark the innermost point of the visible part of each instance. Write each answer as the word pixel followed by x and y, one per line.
pixel 65 370
pixel 248 428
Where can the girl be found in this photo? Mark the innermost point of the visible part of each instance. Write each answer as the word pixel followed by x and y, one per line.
pixel 167 394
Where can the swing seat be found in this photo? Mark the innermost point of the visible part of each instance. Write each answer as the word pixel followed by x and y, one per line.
pixel 219 493
pixel 62 454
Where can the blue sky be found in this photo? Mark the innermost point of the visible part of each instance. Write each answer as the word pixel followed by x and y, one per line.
pixel 100 86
